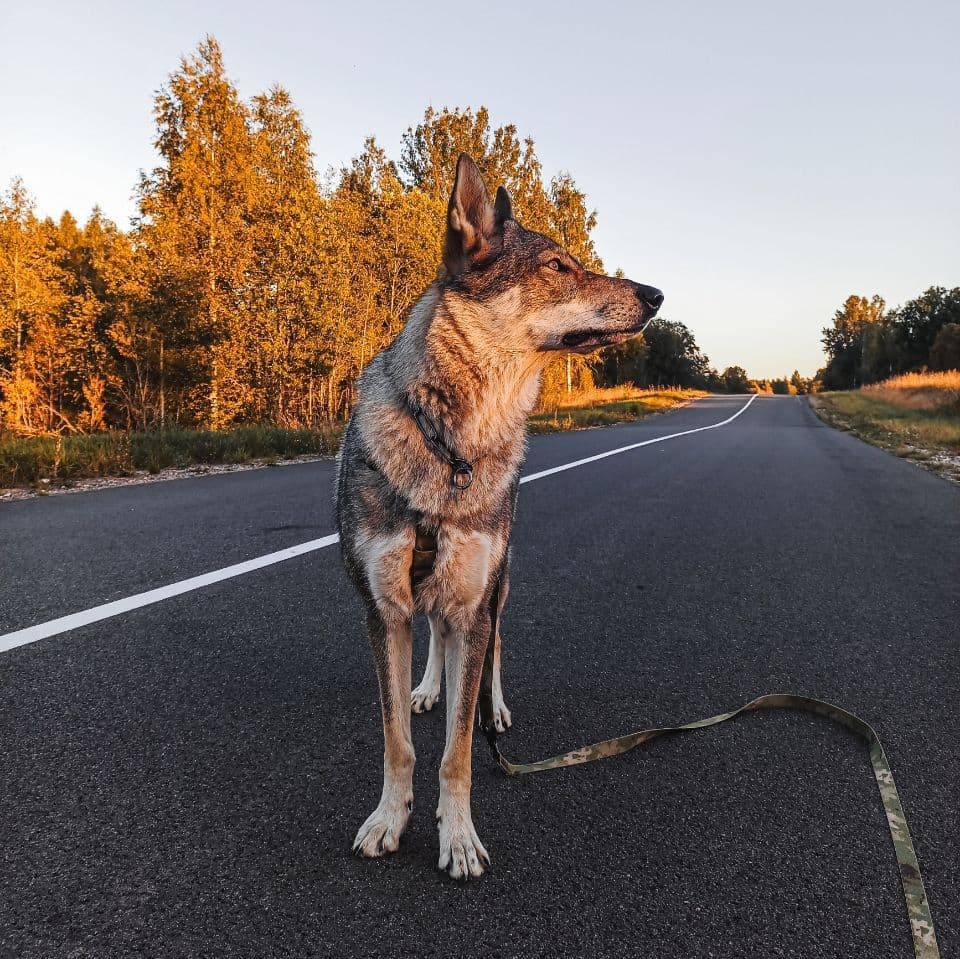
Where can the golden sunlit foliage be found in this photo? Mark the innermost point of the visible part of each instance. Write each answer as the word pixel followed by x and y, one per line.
pixel 247 290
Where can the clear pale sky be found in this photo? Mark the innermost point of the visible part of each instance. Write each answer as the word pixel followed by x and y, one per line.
pixel 758 161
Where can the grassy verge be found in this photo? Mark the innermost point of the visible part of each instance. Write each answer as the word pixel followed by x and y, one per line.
pixel 916 416
pixel 605 407
pixel 31 460
pixel 40 461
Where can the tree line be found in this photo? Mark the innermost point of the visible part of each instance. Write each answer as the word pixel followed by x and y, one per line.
pixel 250 289
pixel 867 343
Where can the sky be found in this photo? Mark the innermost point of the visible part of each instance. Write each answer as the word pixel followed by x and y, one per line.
pixel 757 161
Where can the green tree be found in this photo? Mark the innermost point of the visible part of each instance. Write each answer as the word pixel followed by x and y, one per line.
pixel 674 358
pixel 781 387
pixel 917 323
pixel 626 363
pixel 945 352
pixel 666 355
pixel 735 380
pixel 845 342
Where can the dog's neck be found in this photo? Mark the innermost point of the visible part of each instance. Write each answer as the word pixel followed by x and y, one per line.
pixel 472 387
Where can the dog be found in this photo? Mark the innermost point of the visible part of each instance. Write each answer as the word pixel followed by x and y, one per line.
pixel 427 480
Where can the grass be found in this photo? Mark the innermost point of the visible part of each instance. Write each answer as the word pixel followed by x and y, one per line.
pixel 604 407
pixel 39 461
pixel 33 460
pixel 916 416
pixel 935 392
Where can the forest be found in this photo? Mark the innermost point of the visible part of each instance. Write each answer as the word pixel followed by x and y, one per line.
pixel 251 288
pixel 867 343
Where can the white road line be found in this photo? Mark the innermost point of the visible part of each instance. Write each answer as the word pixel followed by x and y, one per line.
pixel 32 633
pixel 634 446
pixel 23 637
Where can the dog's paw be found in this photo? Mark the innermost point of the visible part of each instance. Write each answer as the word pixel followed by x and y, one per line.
pixel 501 715
pixel 424 698
pixel 461 853
pixel 382 831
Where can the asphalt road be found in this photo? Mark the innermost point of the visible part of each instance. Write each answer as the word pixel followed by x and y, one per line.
pixel 185 779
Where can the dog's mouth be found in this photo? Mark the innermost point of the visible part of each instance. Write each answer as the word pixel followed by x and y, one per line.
pixel 592 338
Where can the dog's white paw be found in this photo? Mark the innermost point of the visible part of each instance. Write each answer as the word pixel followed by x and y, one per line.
pixel 461 853
pixel 424 698
pixel 382 831
pixel 501 715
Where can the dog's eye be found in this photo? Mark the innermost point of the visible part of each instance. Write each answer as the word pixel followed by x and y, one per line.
pixel 555 265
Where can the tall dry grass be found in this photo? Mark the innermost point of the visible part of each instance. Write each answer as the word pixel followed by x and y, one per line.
pixel 602 395
pixel 915 415
pixel 606 406
pixel 920 391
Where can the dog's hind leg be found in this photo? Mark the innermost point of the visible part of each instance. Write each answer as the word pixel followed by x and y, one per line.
pixel 494 714
pixel 501 715
pixel 423 698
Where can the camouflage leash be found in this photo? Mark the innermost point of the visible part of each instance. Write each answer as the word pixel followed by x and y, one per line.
pixel 918 909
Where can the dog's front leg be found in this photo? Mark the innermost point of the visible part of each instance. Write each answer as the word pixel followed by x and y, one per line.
pixel 461 852
pixel 392 641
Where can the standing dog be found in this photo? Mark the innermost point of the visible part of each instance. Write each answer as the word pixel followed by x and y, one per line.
pixel 428 476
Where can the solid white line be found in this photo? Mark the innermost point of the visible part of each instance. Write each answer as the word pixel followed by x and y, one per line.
pixel 23 637
pixel 33 633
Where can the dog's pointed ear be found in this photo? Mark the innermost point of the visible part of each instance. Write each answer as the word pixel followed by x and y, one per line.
pixel 473 229
pixel 502 206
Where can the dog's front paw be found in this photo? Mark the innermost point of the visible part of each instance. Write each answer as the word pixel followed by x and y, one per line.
pixel 382 831
pixel 461 853
pixel 424 697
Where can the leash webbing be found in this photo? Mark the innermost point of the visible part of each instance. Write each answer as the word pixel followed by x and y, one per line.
pixel 918 909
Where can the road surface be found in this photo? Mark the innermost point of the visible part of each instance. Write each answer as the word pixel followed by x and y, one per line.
pixel 185 779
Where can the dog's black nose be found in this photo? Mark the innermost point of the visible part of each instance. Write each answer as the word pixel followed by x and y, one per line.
pixel 649 296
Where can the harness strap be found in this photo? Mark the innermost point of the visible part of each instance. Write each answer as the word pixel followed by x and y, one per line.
pixel 918 909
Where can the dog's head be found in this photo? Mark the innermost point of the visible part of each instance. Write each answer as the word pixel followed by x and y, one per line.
pixel 535 295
